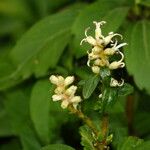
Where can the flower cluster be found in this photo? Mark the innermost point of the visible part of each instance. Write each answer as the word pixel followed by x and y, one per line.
pixel 64 92
pixel 103 49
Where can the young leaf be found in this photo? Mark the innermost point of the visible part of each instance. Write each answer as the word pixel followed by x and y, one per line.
pixel 57 147
pixel 86 138
pixel 89 86
pixel 98 11
pixel 124 90
pixel 137 54
pixel 130 143
pixel 144 146
pixel 109 97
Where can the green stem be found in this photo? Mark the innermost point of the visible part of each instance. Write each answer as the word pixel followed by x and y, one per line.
pixel 85 119
pixel 104 127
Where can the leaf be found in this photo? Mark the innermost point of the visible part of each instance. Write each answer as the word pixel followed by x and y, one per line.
pixel 145 3
pixel 144 146
pixel 109 97
pixel 17 107
pixel 126 89
pixel 5 128
pixel 90 85
pixel 137 54
pixel 47 6
pixel 130 143
pixel 41 47
pixel 141 123
pixel 13 144
pixel 14 8
pixel 101 10
pixel 86 138
pixel 50 113
pixel 57 147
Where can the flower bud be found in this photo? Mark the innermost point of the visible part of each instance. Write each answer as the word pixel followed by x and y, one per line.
pixel 64 104
pixel 71 90
pixel 56 97
pixel 69 80
pixel 96 69
pixel 53 79
pixel 109 51
pixel 116 65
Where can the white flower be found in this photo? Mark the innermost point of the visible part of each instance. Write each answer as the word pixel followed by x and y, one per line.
pixel 114 49
pixel 63 92
pixel 96 69
pixel 117 64
pixel 100 55
pixel 114 82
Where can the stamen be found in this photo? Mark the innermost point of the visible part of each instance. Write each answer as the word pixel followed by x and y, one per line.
pixel 83 40
pixel 86 30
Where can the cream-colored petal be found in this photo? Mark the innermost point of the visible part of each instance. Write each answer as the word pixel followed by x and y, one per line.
pixel 116 65
pixel 64 104
pixel 59 89
pixel 61 80
pixel 71 90
pixel 96 69
pixel 57 97
pixel 69 80
pixel 53 79
pixel 76 99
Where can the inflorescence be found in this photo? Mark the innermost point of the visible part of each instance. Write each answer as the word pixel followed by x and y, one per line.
pixel 103 48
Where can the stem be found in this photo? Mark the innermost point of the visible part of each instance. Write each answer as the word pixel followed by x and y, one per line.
pixel 84 118
pixel 104 127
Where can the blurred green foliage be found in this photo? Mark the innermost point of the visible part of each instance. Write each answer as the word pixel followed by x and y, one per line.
pixel 42 37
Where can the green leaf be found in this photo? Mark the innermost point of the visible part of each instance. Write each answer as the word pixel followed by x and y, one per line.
pixel 86 138
pixel 109 97
pixel 144 146
pixel 126 89
pixel 141 123
pixel 45 7
pixel 13 144
pixel 57 147
pixel 137 54
pixel 41 47
pixel 17 107
pixel 145 2
pixel 130 143
pixel 90 85
pixel 50 113
pixel 5 127
pixel 14 8
pixel 101 10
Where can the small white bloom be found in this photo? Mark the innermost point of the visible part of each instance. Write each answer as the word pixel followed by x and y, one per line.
pixel 117 64
pixel 100 95
pixel 108 38
pixel 71 90
pixel 61 80
pixel 69 80
pixel 114 82
pixel 76 99
pixel 96 69
pixel 53 79
pixel 56 97
pixel 63 92
pixel 88 39
pixel 64 104
pixel 98 32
